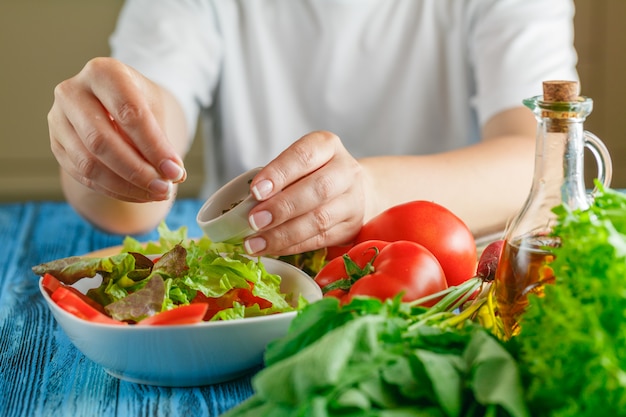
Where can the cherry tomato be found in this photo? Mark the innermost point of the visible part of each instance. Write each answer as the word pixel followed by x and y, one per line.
pixel 383 270
pixel 433 226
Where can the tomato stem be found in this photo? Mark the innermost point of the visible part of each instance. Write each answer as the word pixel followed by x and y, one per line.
pixel 353 272
pixel 340 284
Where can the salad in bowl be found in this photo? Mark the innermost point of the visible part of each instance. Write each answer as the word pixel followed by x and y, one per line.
pixel 177 312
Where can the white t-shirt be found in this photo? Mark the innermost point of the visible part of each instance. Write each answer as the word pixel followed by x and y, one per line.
pixel 387 76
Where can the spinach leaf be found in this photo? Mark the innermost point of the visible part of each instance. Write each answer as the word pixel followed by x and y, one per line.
pixel 374 358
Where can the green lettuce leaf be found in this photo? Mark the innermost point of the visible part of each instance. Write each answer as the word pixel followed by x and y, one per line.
pixel 143 303
pixel 183 267
pixel 70 270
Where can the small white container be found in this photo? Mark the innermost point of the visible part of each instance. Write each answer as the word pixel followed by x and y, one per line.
pixel 224 216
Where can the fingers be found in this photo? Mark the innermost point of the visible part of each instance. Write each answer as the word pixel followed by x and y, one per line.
pixel 327 225
pixel 81 164
pixel 315 198
pixel 302 158
pixel 132 110
pixel 104 133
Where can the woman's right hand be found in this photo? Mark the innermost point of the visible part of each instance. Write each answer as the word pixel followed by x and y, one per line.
pixel 108 131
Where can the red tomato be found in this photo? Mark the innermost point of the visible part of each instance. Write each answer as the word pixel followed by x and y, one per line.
pixel 242 296
pixel 71 302
pixel 433 226
pixel 383 270
pixel 341 295
pixel 360 254
pixel 333 252
pixel 186 314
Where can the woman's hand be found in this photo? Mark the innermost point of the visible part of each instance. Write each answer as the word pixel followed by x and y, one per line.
pixel 108 132
pixel 312 195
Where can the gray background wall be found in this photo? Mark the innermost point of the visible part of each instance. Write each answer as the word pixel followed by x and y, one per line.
pixel 44 42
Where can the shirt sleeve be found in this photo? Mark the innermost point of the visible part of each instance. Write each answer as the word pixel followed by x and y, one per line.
pixel 515 45
pixel 176 44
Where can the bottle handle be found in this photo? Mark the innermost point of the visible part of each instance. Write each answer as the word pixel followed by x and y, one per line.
pixel 603 159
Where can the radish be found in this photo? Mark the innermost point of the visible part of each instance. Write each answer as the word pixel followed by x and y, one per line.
pixel 488 261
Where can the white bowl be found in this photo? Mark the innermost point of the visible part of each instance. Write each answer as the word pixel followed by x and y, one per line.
pixel 186 355
pixel 224 215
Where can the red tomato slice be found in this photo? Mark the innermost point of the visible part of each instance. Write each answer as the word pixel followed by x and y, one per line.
pixel 50 283
pixel 187 314
pixel 246 298
pixel 242 296
pixel 71 302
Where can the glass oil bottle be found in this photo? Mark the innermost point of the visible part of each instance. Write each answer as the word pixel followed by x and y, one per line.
pixel 524 265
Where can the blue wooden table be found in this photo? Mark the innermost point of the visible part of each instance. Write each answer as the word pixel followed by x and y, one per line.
pixel 41 373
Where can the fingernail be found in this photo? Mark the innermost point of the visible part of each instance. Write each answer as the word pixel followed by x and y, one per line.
pixel 160 187
pixel 259 220
pixel 254 245
pixel 262 189
pixel 172 171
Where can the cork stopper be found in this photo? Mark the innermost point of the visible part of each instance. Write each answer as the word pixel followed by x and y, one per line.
pixel 560 91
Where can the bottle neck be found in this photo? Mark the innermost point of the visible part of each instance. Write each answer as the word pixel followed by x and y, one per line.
pixel 559 161
pixel 559 158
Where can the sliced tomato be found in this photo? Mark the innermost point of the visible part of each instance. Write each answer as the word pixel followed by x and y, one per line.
pixel 187 314
pixel 50 283
pixel 74 304
pixel 246 298
pixel 242 296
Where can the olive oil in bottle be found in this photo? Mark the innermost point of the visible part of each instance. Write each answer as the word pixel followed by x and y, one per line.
pixel 558 178
pixel 524 268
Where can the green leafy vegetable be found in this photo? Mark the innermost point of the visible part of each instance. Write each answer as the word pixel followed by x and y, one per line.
pixel 135 287
pixel 572 347
pixel 168 239
pixel 374 358
pixel 70 270
pixel 143 303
